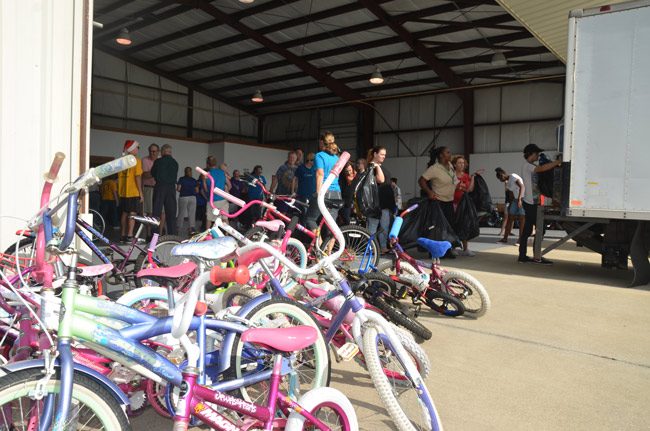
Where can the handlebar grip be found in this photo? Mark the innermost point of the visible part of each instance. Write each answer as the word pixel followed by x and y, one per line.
pixel 293 223
pixel 117 165
pixel 340 164
pixel 201 171
pixel 229 197
pixel 238 274
pixel 397 225
pixel 412 207
pixel 59 157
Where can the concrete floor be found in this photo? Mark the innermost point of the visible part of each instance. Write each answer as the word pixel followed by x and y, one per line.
pixel 564 347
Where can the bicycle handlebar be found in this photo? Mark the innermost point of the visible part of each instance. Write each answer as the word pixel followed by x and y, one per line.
pixel 94 175
pixel 397 224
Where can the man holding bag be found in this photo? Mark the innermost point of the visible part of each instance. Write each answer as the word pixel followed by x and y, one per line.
pixel 380 216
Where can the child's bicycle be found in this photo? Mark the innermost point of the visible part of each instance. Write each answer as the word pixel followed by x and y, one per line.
pixel 451 293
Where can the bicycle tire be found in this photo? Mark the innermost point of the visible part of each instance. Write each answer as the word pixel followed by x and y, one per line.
pixel 99 224
pixel 278 307
pixel 403 407
pixel 416 351
pixel 90 393
pixel 319 398
pixel 444 303
pixel 398 316
pixel 467 288
pixel 357 240
pixel 161 253
pixel 25 247
pixel 256 233
pixel 238 295
pixel 388 267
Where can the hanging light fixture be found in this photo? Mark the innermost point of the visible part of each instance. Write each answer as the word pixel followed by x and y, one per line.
pixel 376 78
pixel 246 1
pixel 498 59
pixel 257 97
pixel 124 38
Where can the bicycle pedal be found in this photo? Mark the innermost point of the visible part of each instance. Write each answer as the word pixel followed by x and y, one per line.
pixel 348 351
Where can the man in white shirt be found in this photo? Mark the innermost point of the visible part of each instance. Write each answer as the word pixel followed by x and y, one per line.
pixel 514 200
pixel 528 174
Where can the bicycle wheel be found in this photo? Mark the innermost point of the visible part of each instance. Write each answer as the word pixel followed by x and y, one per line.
pixel 408 402
pixel 25 248
pixel 98 222
pixel 93 407
pixel 358 243
pixel 312 366
pixel 238 295
pixel 444 303
pixel 470 292
pixel 329 406
pixel 163 253
pixel 388 267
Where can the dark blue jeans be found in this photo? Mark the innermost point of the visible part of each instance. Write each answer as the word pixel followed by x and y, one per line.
pixel 531 219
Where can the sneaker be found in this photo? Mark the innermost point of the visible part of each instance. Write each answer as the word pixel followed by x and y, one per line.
pixel 127 239
pixel 524 259
pixel 468 253
pixel 542 261
pixel 503 241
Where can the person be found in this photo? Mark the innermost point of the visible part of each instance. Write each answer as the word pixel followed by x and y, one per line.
pixel 187 188
pixel 300 154
pixel 165 172
pixel 438 183
pixel 129 190
pixel 256 194
pixel 109 200
pixel 148 182
pixel 347 184
pixel 361 166
pixel 202 196
pixel 324 162
pixel 528 175
pixel 282 181
pixel 376 157
pixel 305 179
pixel 464 185
pixel 321 142
pixel 398 194
pixel 514 194
pixel 221 181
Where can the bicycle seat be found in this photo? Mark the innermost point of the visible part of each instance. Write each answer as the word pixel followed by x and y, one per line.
pixel 95 270
pixel 282 339
pixel 213 249
pixel 272 225
pixel 167 274
pixel 152 221
pixel 436 248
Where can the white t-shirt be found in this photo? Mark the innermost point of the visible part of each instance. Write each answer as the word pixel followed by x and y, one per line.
pixel 528 177
pixel 512 184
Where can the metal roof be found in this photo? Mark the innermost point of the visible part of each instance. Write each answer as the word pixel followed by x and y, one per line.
pixel 307 52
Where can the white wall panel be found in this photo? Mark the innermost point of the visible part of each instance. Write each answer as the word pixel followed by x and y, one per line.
pixel 487 105
pixel 245 157
pixel 487 139
pixel 109 66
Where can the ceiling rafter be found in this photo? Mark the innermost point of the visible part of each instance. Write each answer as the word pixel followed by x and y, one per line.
pixel 428 81
pixel 111 7
pixel 147 21
pixel 176 79
pixel 130 20
pixel 337 51
pixel 510 55
pixel 334 85
pixel 270 5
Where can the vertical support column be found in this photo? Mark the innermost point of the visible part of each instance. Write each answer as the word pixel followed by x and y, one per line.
pixel 260 129
pixel 190 113
pixel 468 122
pixel 367 130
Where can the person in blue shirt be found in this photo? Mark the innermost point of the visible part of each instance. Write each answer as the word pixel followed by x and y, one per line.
pixel 324 162
pixel 221 181
pixel 187 187
pixel 305 179
pixel 201 201
pixel 256 194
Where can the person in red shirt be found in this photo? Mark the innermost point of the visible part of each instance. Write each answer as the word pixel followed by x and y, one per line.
pixel 465 184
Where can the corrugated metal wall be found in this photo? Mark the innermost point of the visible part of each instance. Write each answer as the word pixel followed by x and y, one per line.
pixel 128 97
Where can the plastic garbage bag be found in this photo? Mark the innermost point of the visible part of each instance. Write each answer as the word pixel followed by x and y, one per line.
pixel 545 179
pixel 366 195
pixel 481 195
pixel 466 219
pixel 427 221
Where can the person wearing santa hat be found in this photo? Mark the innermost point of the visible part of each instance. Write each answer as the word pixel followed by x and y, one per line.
pixel 129 190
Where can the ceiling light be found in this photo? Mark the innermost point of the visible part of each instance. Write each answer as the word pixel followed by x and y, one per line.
pixel 257 97
pixel 123 38
pixel 498 59
pixel 376 78
pixel 246 1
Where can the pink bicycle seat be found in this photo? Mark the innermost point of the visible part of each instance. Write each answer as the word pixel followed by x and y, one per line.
pixel 282 339
pixel 175 271
pixel 95 270
pixel 272 225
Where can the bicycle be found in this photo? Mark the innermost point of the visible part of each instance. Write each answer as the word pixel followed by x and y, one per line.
pixel 101 397
pixel 450 293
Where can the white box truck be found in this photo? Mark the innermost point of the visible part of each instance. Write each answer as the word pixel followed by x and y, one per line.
pixel 607 133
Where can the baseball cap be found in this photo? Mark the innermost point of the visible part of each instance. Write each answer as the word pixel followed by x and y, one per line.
pixel 531 149
pixel 130 145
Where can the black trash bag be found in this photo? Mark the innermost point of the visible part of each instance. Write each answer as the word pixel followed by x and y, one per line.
pixel 466 219
pixel 481 195
pixel 366 195
pixel 427 221
pixel 545 179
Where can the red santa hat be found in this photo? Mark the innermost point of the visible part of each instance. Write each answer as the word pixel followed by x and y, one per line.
pixel 130 145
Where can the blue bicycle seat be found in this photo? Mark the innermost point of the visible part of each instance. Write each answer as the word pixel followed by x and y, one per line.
pixel 436 248
pixel 214 249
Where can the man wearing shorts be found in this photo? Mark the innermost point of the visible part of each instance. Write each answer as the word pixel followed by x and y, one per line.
pixel 129 190
pixel 515 188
